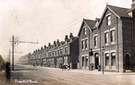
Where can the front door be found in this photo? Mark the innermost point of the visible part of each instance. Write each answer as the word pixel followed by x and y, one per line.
pixel 96 61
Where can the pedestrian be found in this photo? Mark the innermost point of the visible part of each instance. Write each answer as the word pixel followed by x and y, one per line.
pixel 7 72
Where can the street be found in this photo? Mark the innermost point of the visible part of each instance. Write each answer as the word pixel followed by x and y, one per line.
pixel 55 76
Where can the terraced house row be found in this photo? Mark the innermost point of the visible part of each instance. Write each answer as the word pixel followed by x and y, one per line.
pixel 107 43
pixel 64 52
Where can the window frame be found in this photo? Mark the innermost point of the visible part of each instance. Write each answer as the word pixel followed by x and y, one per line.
pixel 107 59
pixel 95 41
pixel 86 43
pixel 113 63
pixel 112 35
pixel 84 30
pixel 108 20
pixel 106 37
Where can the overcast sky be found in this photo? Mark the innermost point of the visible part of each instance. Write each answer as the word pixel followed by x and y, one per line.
pixel 45 21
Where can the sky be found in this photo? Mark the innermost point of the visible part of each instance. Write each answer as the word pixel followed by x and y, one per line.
pixel 45 21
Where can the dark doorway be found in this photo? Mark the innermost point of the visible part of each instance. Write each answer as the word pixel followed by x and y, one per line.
pixel 74 66
pixel 127 62
pixel 96 60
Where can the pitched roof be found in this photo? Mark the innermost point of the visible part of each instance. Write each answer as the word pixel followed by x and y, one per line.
pixel 89 24
pixel 118 11
pixel 121 12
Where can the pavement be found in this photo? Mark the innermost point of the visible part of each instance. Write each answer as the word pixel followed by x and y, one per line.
pixel 95 72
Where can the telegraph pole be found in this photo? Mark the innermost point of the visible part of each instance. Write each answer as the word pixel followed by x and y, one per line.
pixel 17 42
pixel 9 55
pixel 13 52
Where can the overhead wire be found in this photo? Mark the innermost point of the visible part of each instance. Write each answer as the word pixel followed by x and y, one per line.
pixel 65 26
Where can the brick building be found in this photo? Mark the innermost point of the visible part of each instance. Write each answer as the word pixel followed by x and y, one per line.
pixel 115 32
pixel 64 52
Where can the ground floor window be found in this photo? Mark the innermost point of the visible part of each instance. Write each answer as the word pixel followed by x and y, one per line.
pixel 65 60
pixel 107 59
pixel 113 55
pixel 86 60
pixel 82 61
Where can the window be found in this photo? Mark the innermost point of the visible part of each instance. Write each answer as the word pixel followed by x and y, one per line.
pixel 95 41
pixel 107 59
pixel 53 53
pixel 106 37
pixel 86 43
pixel 50 53
pixel 82 61
pixel 66 50
pixel 86 61
pixel 45 54
pixel 112 35
pixel 113 55
pixel 108 20
pixel 60 51
pixel 85 31
pixel 83 44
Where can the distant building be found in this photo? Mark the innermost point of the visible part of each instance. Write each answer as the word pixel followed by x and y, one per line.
pixel 64 52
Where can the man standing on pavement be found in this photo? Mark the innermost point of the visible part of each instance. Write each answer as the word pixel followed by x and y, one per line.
pixel 7 72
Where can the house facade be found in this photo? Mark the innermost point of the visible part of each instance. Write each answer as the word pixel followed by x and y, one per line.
pixel 114 33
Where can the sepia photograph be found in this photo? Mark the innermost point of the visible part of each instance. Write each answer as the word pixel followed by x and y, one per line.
pixel 67 42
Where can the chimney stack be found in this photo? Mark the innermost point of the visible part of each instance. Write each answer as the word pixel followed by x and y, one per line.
pixel 71 36
pixel 58 41
pixel 66 37
pixel 44 46
pixel 41 48
pixel 54 42
pixel 49 45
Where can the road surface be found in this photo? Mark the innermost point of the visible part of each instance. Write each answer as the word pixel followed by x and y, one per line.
pixel 54 76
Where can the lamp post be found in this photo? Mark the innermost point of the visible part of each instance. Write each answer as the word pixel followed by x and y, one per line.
pixel 103 59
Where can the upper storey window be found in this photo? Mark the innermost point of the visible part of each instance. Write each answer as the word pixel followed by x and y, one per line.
pixel 85 31
pixel 112 35
pixel 106 37
pixel 66 50
pixel 108 19
pixel 95 41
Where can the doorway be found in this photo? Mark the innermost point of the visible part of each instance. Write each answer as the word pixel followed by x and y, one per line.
pixel 127 62
pixel 96 60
